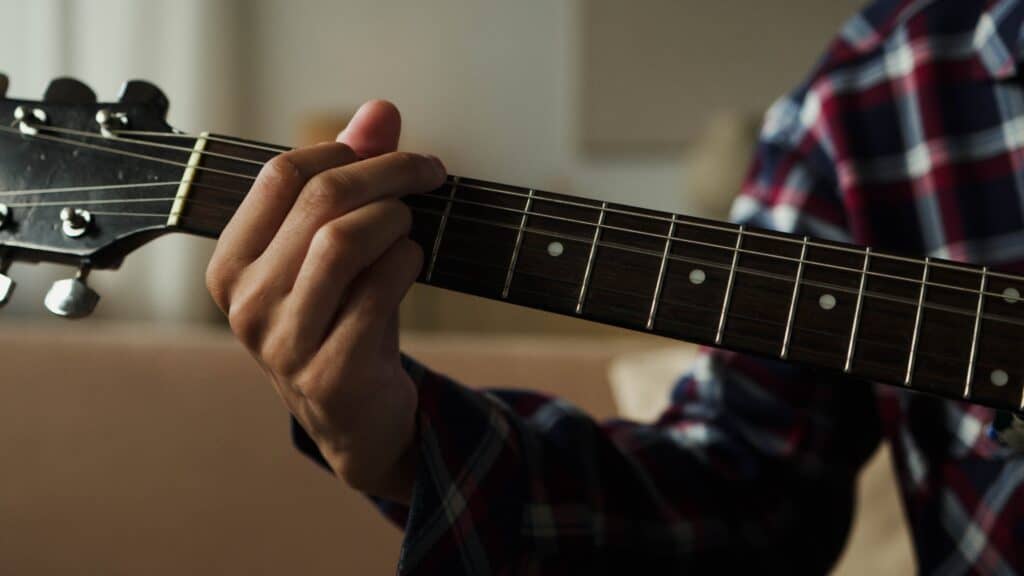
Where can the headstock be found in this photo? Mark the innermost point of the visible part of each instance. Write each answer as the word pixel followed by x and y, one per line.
pixel 76 188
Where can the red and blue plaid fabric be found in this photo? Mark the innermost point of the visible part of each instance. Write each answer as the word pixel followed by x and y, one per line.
pixel 908 136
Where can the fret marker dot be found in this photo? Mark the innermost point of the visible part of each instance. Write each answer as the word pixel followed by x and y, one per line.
pixel 555 249
pixel 1000 377
pixel 827 301
pixel 697 276
pixel 1011 295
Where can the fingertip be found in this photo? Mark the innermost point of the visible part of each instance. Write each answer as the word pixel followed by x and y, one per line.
pixel 375 129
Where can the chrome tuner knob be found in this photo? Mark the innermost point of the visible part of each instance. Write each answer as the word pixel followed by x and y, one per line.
pixel 110 122
pixel 75 221
pixel 5 214
pixel 6 284
pixel 23 116
pixel 72 297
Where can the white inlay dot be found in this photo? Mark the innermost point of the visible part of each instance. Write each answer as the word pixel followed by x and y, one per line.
pixel 1000 377
pixel 697 276
pixel 827 301
pixel 555 249
pixel 1011 295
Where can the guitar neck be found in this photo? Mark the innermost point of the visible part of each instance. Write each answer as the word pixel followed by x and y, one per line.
pixel 931 325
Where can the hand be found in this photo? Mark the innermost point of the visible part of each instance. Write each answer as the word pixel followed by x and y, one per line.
pixel 310 273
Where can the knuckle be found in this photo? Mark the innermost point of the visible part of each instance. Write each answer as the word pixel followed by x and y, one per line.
pixel 328 190
pixel 280 171
pixel 245 316
pixel 333 240
pixel 279 353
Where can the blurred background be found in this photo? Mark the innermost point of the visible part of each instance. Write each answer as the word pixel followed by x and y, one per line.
pixel 653 103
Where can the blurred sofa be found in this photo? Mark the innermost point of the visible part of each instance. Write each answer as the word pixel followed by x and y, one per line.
pixel 135 450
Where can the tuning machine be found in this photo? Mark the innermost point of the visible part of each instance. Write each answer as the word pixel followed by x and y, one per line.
pixel 69 91
pixel 72 297
pixel 6 284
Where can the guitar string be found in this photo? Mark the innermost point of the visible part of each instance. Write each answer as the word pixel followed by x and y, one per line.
pixel 673 238
pixel 723 228
pixel 716 309
pixel 713 309
pixel 160 145
pixel 917 282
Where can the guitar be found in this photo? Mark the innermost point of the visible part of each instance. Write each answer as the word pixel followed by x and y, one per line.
pixel 85 183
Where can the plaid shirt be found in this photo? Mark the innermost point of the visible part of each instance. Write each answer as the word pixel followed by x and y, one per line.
pixel 908 136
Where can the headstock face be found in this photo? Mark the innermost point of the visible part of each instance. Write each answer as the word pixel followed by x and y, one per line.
pixel 71 191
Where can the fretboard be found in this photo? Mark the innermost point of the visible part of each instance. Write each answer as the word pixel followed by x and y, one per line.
pixel 930 325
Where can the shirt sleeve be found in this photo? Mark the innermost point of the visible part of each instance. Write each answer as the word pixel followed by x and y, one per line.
pixel 751 467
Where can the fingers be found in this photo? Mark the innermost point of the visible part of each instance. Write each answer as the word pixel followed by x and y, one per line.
pixel 368 314
pixel 339 191
pixel 339 252
pixel 374 129
pixel 264 208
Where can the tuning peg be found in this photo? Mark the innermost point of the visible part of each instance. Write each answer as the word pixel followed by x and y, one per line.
pixel 142 92
pixel 3 85
pixel 69 91
pixel 6 284
pixel 72 297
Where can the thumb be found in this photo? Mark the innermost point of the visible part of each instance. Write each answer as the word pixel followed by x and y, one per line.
pixel 374 129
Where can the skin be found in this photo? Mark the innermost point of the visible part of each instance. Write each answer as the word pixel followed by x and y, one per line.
pixel 310 273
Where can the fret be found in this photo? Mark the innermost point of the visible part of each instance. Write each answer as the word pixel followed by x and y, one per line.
pixel 519 243
pixel 695 277
pixel 728 286
pixel 946 330
pixel 917 323
pixel 889 317
pixel 479 237
pixel 554 252
pixel 792 305
pixel 440 231
pixel 825 305
pixel 757 310
pixel 661 274
pixel 626 266
pixel 998 378
pixel 590 259
pixel 848 364
pixel 974 333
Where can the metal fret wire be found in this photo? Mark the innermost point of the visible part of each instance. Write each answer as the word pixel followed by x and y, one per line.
pixel 661 275
pixel 515 249
pixel 724 228
pixel 974 335
pixel 917 324
pixel 590 259
pixel 792 303
pixel 728 288
pixel 848 365
pixel 440 230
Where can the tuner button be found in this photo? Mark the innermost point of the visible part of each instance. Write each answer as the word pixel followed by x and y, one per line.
pixel 69 91
pixel 75 222
pixel 3 85
pixel 5 213
pixel 72 297
pixel 28 119
pixel 142 92
pixel 6 284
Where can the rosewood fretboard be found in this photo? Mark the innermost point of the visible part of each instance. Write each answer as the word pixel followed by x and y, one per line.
pixel 947 328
